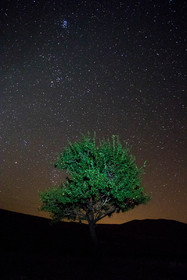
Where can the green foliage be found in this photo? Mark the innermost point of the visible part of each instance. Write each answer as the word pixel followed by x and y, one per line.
pixel 103 179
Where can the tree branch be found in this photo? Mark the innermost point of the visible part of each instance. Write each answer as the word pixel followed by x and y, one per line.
pixel 111 211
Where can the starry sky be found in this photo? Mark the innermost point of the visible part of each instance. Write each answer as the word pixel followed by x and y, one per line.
pixel 114 67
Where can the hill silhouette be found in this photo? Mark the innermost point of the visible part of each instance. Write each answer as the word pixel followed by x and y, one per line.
pixel 32 248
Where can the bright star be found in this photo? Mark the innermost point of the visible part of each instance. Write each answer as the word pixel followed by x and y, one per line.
pixel 64 24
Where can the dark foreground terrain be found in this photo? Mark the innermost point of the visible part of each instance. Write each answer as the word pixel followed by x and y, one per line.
pixel 30 248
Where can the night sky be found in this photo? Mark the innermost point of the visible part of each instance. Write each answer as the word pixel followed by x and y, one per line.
pixel 114 67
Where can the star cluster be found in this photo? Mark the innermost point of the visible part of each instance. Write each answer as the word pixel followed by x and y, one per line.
pixel 114 67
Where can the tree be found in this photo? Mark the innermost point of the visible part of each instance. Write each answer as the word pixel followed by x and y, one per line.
pixel 103 179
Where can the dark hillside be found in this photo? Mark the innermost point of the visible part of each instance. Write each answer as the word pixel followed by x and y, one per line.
pixel 31 248
pixel 34 233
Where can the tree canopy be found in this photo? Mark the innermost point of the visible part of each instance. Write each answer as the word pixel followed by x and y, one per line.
pixel 103 178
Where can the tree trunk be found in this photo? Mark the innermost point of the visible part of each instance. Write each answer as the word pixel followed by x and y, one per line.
pixel 93 235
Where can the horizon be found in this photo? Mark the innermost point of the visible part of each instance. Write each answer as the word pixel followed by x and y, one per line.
pixel 86 223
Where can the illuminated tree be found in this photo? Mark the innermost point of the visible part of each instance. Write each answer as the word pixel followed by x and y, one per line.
pixel 103 179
